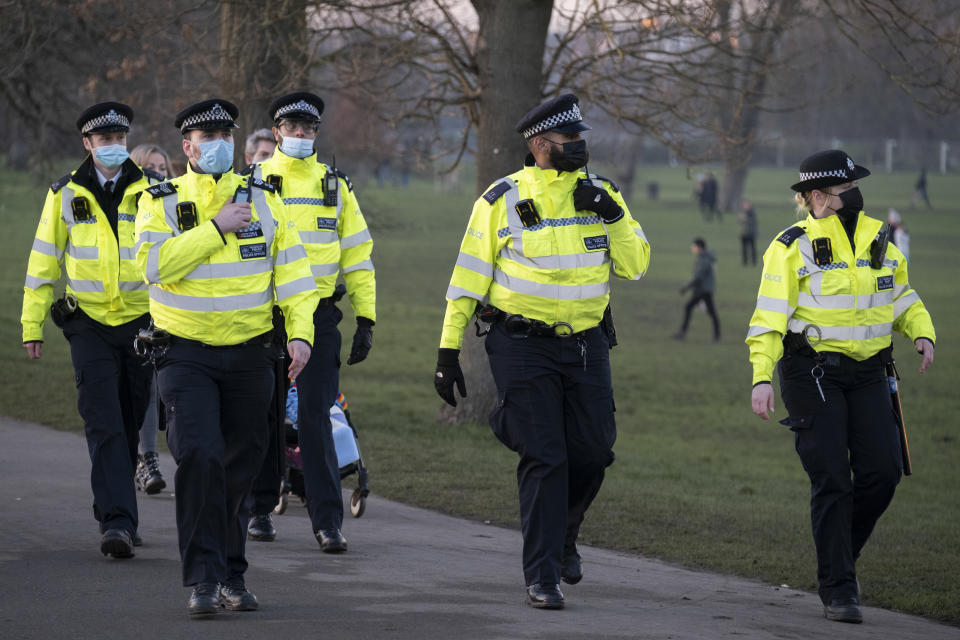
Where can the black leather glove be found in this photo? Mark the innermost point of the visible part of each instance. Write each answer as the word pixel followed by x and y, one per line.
pixel 362 340
pixel 448 373
pixel 587 197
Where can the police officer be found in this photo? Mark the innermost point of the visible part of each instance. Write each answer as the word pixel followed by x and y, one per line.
pixel 831 293
pixel 324 207
pixel 217 249
pixel 539 246
pixel 87 225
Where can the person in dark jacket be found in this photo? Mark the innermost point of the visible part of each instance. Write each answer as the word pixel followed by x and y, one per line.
pixel 748 233
pixel 703 284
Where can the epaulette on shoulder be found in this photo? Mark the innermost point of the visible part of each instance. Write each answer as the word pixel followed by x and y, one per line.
pixel 497 190
pixel 261 184
pixel 59 184
pixel 790 234
pixel 616 187
pixel 247 170
pixel 346 178
pixel 162 190
pixel 153 175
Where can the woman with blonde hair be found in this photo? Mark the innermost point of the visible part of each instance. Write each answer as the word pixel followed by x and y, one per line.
pixel 153 158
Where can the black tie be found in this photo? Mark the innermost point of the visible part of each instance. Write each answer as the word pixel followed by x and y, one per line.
pixel 108 186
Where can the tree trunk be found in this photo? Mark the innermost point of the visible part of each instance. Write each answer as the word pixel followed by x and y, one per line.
pixel 511 42
pixel 262 56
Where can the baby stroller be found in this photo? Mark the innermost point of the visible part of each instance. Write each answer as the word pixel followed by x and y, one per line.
pixel 348 455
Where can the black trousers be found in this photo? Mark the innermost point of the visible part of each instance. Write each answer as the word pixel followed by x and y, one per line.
pixel 850 448
pixel 711 310
pixel 555 410
pixel 113 388
pixel 265 493
pixel 317 388
pixel 215 401
pixel 748 248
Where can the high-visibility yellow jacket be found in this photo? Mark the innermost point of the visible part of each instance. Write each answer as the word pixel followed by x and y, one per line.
pixel 336 236
pixel 557 270
pixel 854 306
pixel 100 266
pixel 220 288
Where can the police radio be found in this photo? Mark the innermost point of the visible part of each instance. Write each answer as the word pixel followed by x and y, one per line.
pixel 242 194
pixel 878 249
pixel 81 209
pixel 330 189
pixel 186 215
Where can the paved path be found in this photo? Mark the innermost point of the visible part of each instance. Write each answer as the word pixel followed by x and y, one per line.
pixel 409 574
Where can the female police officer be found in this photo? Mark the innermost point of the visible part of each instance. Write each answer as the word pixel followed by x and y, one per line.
pixel 830 294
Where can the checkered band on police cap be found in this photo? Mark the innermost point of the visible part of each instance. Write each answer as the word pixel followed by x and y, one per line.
pixel 216 113
pixel 109 119
pixel 569 116
pixel 301 106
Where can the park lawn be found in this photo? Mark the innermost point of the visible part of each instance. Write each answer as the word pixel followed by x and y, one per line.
pixel 698 480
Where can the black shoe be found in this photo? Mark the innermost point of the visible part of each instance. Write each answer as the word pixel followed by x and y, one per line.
pixel 331 541
pixel 148 476
pixel 116 543
pixel 544 596
pixel 137 540
pixel 261 528
pixel 571 569
pixel 237 598
pixel 843 610
pixel 205 599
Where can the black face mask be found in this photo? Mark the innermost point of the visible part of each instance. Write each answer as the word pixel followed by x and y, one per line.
pixel 572 155
pixel 852 201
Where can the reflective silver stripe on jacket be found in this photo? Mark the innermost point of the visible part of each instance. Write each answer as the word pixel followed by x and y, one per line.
pixel 364 265
pixel 475 264
pixel 229 269
pixel 128 253
pixel 551 291
pixel 814 282
pixel 82 253
pixel 47 249
pixel 291 289
pixel 318 237
pixel 66 210
pixel 510 200
pixel 903 303
pixel 776 305
pixel 291 254
pixel 86 286
pixel 356 239
pixel 268 222
pixel 170 213
pixel 568 261
pixel 220 303
pixel 845 301
pixel 132 285
pixel 321 270
pixel 456 292
pixel 758 330
pixel 861 332
pixel 33 282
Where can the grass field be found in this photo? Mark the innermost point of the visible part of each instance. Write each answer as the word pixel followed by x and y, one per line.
pixel 698 480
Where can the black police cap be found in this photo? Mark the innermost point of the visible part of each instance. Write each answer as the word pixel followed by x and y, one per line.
pixel 215 113
pixel 302 104
pixel 827 168
pixel 105 117
pixel 557 114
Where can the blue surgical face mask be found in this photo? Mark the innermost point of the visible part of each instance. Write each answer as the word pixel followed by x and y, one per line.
pixel 111 155
pixel 297 147
pixel 216 156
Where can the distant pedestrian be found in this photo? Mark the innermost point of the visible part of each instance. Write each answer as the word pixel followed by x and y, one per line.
pixel 260 147
pixel 920 190
pixel 703 284
pixel 708 197
pixel 899 236
pixel 748 233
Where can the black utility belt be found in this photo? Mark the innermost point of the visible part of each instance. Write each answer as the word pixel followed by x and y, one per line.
pixel 797 344
pixel 517 325
pixel 262 340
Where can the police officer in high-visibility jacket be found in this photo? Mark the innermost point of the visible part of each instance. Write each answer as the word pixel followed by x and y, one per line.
pixel 831 293
pixel 323 205
pixel 87 226
pixel 217 249
pixel 536 262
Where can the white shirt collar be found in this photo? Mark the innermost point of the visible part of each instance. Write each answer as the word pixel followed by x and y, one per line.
pixel 103 179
